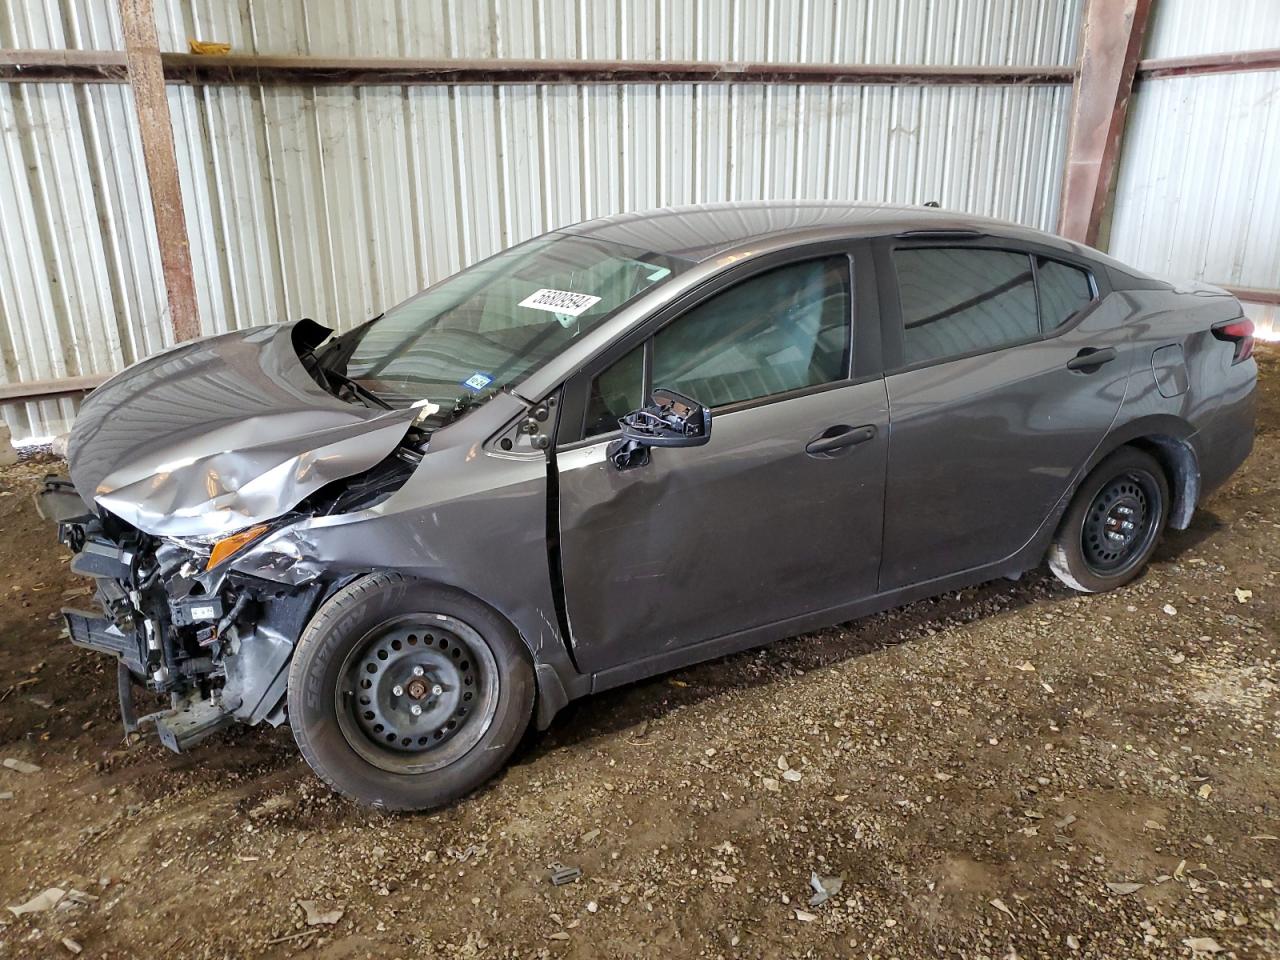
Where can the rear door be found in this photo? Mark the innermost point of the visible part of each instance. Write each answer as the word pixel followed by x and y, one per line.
pixel 777 516
pixel 994 400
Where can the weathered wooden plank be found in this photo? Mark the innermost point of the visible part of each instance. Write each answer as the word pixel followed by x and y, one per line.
pixel 146 78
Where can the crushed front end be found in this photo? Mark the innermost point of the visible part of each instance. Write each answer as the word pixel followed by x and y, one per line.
pixel 178 466
pixel 179 621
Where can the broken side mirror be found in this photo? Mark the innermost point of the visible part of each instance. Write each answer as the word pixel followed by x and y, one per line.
pixel 669 420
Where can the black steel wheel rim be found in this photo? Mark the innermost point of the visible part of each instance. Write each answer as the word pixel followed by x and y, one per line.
pixel 1121 523
pixel 416 693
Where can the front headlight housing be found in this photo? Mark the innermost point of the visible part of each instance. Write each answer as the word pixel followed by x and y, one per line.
pixel 228 547
pixel 205 553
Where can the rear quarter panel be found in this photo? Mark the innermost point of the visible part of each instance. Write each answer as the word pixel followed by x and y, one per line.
pixel 1183 382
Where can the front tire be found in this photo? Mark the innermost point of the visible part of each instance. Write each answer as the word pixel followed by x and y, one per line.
pixel 1113 524
pixel 407 696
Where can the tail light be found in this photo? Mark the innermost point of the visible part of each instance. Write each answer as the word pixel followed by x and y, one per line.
pixel 1238 332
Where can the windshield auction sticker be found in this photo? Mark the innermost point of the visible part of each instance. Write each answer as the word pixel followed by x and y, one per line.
pixel 564 302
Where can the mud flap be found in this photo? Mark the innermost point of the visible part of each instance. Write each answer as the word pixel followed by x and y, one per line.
pixel 552 697
pixel 257 673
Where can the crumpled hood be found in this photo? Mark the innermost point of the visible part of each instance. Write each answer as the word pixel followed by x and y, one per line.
pixel 217 434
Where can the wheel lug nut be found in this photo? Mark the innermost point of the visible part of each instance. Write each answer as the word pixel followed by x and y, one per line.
pixel 436 690
pixel 398 690
pixel 418 671
pixel 416 710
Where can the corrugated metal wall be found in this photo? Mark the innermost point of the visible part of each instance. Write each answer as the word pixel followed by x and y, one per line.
pixel 80 284
pixel 1186 28
pixel 336 203
pixel 1198 190
pixel 1006 32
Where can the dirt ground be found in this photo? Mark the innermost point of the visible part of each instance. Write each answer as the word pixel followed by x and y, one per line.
pixel 1010 771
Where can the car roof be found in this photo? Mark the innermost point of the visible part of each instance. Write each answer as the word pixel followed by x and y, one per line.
pixel 703 231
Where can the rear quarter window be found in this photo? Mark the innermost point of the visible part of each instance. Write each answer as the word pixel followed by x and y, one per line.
pixel 1064 292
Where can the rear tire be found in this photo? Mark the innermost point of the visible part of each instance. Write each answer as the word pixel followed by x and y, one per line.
pixel 1113 524
pixel 407 696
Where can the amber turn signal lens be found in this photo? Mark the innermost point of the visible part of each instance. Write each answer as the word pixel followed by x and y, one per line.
pixel 225 548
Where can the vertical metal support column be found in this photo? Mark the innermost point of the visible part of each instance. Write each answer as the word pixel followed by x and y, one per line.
pixel 1110 46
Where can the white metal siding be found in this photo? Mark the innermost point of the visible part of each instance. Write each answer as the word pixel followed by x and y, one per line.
pixel 61 24
pixel 1005 32
pixel 1186 28
pixel 1198 195
pixel 80 284
pixel 336 202
pixel 343 202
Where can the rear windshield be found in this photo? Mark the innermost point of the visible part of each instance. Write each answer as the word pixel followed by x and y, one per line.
pixel 461 341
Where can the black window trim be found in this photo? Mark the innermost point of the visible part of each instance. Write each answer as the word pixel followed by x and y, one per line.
pixel 864 338
pixel 891 301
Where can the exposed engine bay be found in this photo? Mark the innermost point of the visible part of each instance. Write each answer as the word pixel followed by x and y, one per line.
pixel 183 622
pixel 220 493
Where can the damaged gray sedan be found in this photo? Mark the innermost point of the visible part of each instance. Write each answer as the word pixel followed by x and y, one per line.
pixel 624 447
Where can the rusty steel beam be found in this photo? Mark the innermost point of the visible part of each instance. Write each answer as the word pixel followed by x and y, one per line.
pixel 106 66
pixel 1111 42
pixel 44 389
pixel 63 66
pixel 187 68
pixel 1253 294
pixel 146 78
pixel 1240 62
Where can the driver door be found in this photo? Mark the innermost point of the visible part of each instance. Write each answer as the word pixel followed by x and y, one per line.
pixel 777 516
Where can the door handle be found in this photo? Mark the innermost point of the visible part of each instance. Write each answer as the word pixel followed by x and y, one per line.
pixel 1091 358
pixel 840 437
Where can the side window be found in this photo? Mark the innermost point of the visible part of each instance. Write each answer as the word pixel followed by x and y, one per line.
pixel 782 330
pixel 615 392
pixel 959 300
pixel 1064 292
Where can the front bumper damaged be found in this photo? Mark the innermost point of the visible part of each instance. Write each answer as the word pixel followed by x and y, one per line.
pixel 217 644
pixel 176 459
pixel 103 635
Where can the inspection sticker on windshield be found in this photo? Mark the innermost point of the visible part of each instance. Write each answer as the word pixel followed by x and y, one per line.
pixel 477 381
pixel 564 302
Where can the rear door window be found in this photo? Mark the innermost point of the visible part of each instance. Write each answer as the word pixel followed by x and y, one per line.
pixel 962 300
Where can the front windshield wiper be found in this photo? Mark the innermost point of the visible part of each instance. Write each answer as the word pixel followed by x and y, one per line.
pixel 327 377
pixel 460 406
pixel 467 402
pixel 363 392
